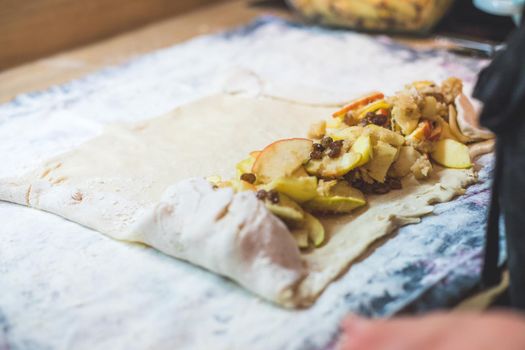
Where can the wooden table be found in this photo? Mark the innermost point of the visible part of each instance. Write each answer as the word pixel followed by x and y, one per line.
pixel 73 64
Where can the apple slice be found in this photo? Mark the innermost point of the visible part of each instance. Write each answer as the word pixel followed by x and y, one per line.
pixel 405 113
pixel 358 103
pixel 334 124
pixel 350 133
pixel 451 154
pixel 333 167
pixel 281 158
pixel 334 204
pixel 408 155
pixel 446 132
pixel 425 131
pixel 435 134
pixel 245 166
pixel 341 198
pixel 372 107
pixel 255 154
pixel 378 133
pixel 289 211
pixel 301 237
pixel 300 189
pixel 363 146
pixel 324 187
pixel 300 172
pixel 384 156
pixel 421 133
pixel 315 229
pixel 454 127
pixel 311 231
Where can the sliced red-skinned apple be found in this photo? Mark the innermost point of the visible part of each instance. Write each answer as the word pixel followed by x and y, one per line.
pixel 442 130
pixel 358 103
pixel 422 132
pixel 383 111
pixel 255 154
pixel 281 158
pixel 436 133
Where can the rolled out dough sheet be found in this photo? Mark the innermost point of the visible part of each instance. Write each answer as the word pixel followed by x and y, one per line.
pixel 131 183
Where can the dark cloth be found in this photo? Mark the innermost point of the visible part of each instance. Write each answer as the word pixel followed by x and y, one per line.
pixel 512 196
pixel 501 86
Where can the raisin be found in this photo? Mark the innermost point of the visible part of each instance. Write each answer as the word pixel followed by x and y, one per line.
pixel 378 119
pixel 363 122
pixel 316 155
pixel 394 183
pixel 358 183
pixel 261 194
pixel 380 188
pixel 350 176
pixel 363 186
pixel 318 147
pixel 248 177
pixel 336 144
pixel 334 152
pixel 273 196
pixel 326 141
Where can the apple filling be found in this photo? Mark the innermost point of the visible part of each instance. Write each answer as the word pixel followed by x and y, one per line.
pixel 366 148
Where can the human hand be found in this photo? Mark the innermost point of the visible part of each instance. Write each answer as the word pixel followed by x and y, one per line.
pixel 440 331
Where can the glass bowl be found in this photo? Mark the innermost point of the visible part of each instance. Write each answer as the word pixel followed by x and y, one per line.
pixel 391 16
